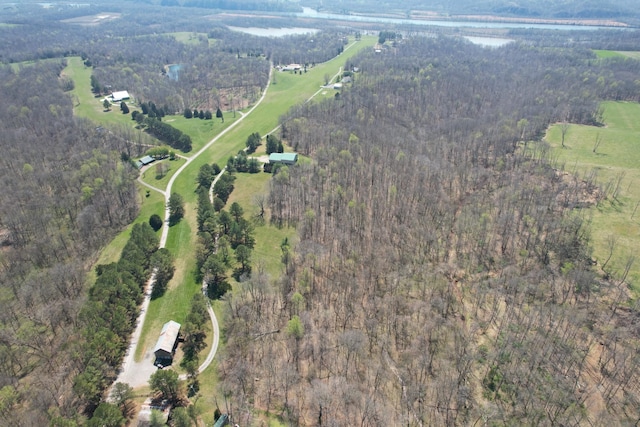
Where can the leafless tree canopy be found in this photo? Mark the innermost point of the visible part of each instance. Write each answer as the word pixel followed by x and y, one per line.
pixel 442 275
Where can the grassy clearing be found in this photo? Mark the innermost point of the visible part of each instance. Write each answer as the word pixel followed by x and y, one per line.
pixel 266 254
pixel 188 37
pixel 289 90
pixel 86 104
pixel 603 54
pixel 200 131
pixel 618 156
pixel 150 175
pixel 630 54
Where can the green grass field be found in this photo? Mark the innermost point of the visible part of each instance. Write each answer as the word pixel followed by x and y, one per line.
pixel 289 90
pixel 200 131
pixel 151 177
pixel 286 90
pixel 607 54
pixel 618 155
pixel 187 37
pixel 15 66
pixel 86 104
pixel 603 54
pixel 268 237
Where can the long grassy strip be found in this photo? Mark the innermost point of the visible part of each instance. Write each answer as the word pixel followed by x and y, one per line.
pixel 617 154
pixel 288 90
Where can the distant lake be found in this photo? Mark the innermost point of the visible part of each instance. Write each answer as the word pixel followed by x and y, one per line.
pixel 488 41
pixel 308 12
pixel 274 32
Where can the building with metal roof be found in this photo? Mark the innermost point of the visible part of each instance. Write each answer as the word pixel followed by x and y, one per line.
pixel 167 343
pixel 119 96
pixel 284 158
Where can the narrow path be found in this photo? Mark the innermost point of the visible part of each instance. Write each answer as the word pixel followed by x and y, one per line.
pixel 137 374
pixel 150 186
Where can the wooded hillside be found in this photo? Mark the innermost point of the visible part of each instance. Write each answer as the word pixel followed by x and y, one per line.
pixel 66 191
pixel 443 274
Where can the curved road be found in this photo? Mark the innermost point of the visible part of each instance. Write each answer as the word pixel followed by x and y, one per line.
pixel 137 374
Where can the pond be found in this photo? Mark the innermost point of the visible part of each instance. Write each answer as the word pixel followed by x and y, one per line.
pixel 274 32
pixel 488 41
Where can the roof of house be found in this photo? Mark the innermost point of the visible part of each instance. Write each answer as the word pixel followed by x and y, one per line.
pixel 283 157
pixel 147 159
pixel 168 337
pixel 119 96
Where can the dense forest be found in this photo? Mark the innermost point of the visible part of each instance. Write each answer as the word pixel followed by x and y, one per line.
pixel 443 274
pixel 67 193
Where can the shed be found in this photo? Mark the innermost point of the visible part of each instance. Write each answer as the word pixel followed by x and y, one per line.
pixel 146 160
pixel 292 67
pixel 167 342
pixel 284 158
pixel 120 96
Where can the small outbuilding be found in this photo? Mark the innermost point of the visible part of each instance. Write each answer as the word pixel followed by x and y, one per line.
pixel 145 161
pixel 283 158
pixel 292 67
pixel 119 96
pixel 167 343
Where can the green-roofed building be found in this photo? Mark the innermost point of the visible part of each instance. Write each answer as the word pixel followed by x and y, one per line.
pixel 283 158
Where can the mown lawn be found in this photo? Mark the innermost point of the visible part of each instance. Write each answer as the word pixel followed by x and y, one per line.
pixel 187 37
pixel 151 176
pixel 617 157
pixel 267 252
pixel 201 131
pixel 86 104
pixel 603 54
pixel 607 53
pixel 289 90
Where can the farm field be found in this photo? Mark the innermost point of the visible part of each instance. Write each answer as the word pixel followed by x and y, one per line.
pixel 616 161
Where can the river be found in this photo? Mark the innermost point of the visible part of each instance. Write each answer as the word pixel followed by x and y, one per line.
pixel 307 12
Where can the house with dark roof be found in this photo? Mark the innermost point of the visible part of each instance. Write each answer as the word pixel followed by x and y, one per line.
pixel 167 343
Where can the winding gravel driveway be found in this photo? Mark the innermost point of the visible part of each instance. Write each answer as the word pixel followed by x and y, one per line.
pixel 137 374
